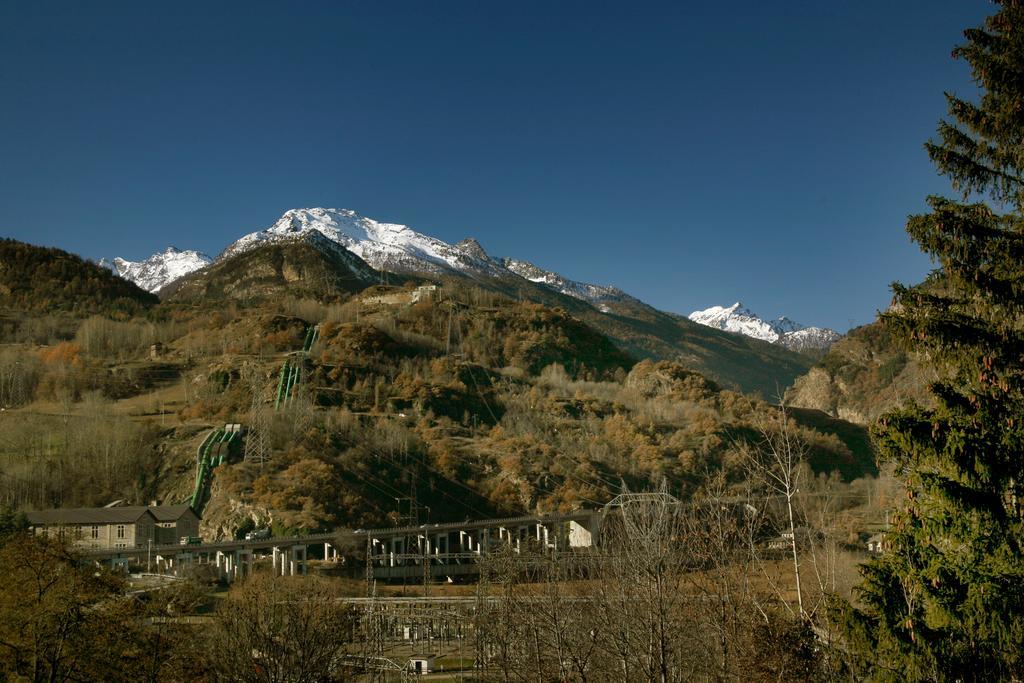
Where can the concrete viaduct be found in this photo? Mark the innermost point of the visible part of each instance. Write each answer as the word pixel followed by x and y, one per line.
pixel 451 550
pixel 434 551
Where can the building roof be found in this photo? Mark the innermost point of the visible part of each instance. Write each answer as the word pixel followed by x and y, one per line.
pixel 170 513
pixel 116 515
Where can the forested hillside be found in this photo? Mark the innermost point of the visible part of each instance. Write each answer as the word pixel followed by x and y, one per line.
pixel 311 266
pixel 41 279
pixel 734 361
pixel 862 376
pixel 454 395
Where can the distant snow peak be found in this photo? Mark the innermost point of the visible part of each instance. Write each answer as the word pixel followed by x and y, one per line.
pixel 782 330
pixel 160 269
pixel 585 291
pixel 810 338
pixel 385 246
pixel 736 318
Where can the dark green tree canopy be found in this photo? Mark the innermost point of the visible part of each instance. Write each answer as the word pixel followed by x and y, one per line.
pixel 946 602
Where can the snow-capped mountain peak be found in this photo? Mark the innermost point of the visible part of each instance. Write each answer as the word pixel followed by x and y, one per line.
pixel 736 318
pixel 385 246
pixel 782 330
pixel 160 269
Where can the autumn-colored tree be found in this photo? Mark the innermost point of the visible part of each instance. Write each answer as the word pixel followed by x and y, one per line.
pixel 59 620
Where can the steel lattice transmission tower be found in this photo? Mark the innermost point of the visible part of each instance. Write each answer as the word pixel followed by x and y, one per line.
pixel 257 451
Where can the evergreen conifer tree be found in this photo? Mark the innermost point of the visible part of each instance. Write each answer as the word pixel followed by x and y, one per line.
pixel 946 601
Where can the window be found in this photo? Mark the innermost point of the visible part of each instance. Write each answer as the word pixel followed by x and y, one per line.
pixel 120 530
pixel 94 531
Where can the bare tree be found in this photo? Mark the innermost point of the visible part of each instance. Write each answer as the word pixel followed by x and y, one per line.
pixel 717 531
pixel 638 612
pixel 277 630
pixel 668 594
pixel 535 617
pixel 775 464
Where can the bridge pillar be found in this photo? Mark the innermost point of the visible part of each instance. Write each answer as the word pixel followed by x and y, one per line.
pixel 242 557
pixel 372 549
pixel 424 542
pixel 182 560
pixel 286 561
pixel 297 565
pixel 331 553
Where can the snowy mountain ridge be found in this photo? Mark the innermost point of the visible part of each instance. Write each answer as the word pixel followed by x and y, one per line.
pixel 398 248
pixel 782 330
pixel 385 246
pixel 159 269
pixel 598 295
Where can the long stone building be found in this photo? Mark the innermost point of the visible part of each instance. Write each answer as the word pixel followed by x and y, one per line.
pixel 132 526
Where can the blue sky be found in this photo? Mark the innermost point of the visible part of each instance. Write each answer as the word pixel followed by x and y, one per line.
pixel 690 153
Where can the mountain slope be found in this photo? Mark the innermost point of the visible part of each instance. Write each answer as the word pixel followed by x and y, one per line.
pixel 307 264
pixel 641 330
pixel 34 278
pixel 862 376
pixel 810 339
pixel 585 291
pixel 160 269
pixel 734 361
pixel 782 330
